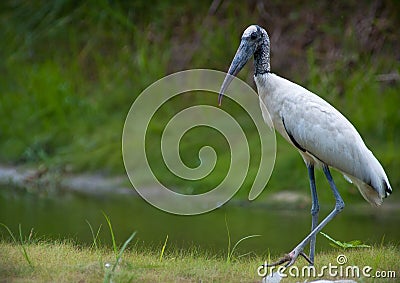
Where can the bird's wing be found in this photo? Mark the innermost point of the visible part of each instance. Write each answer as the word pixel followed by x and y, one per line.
pixel 316 127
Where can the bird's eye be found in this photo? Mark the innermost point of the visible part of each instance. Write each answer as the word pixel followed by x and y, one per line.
pixel 253 35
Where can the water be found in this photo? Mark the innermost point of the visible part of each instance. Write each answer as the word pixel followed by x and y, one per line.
pixel 65 217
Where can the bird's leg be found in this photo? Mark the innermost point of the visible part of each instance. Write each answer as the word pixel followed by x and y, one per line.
pixel 298 250
pixel 314 210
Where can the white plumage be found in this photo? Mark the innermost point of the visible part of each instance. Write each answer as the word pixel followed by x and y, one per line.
pixel 321 134
pixel 324 133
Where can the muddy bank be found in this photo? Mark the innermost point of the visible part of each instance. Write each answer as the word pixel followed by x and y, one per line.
pixel 41 180
pixel 44 181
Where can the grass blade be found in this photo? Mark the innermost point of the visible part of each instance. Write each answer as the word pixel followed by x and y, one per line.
pixel 241 240
pixel 21 243
pixel 345 245
pixel 163 248
pixel 25 253
pixel 230 252
pixel 9 232
pixel 335 242
pixel 122 250
pixel 94 244
pixel 112 233
pixel 228 259
pixel 94 237
pixel 109 274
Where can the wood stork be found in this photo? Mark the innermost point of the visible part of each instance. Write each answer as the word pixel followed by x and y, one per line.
pixel 320 133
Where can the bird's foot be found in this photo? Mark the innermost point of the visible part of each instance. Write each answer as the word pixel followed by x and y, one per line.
pixel 290 258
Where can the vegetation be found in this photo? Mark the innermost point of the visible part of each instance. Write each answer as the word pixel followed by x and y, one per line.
pixel 345 245
pixel 37 259
pixel 64 261
pixel 71 70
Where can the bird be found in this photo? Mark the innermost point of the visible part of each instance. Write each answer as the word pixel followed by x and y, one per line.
pixel 321 134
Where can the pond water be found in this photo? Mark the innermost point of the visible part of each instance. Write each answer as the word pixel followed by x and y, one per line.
pixel 281 229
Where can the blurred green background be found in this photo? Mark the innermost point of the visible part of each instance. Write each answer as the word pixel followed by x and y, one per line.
pixel 71 69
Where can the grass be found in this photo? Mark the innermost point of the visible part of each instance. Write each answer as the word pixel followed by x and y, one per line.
pixel 230 251
pixel 110 269
pixel 21 242
pixel 345 245
pixel 163 248
pixel 71 70
pixel 67 262
pixel 41 260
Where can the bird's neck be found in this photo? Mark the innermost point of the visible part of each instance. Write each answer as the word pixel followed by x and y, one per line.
pixel 261 59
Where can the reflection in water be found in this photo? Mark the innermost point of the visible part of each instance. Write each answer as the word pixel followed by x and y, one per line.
pixel 65 217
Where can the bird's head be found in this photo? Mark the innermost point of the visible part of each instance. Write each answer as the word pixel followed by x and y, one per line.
pixel 252 40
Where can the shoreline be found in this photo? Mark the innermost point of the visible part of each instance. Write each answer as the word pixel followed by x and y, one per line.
pixel 42 180
pixel 22 177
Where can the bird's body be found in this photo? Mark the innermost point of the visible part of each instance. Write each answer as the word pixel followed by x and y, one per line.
pixel 321 134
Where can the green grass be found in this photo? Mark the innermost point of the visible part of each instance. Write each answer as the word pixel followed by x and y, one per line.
pixel 66 261
pixel 36 259
pixel 70 72
pixel 230 255
pixel 21 242
pixel 345 245
pixel 110 272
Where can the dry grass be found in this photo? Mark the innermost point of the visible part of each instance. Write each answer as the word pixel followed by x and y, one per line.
pixel 67 262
